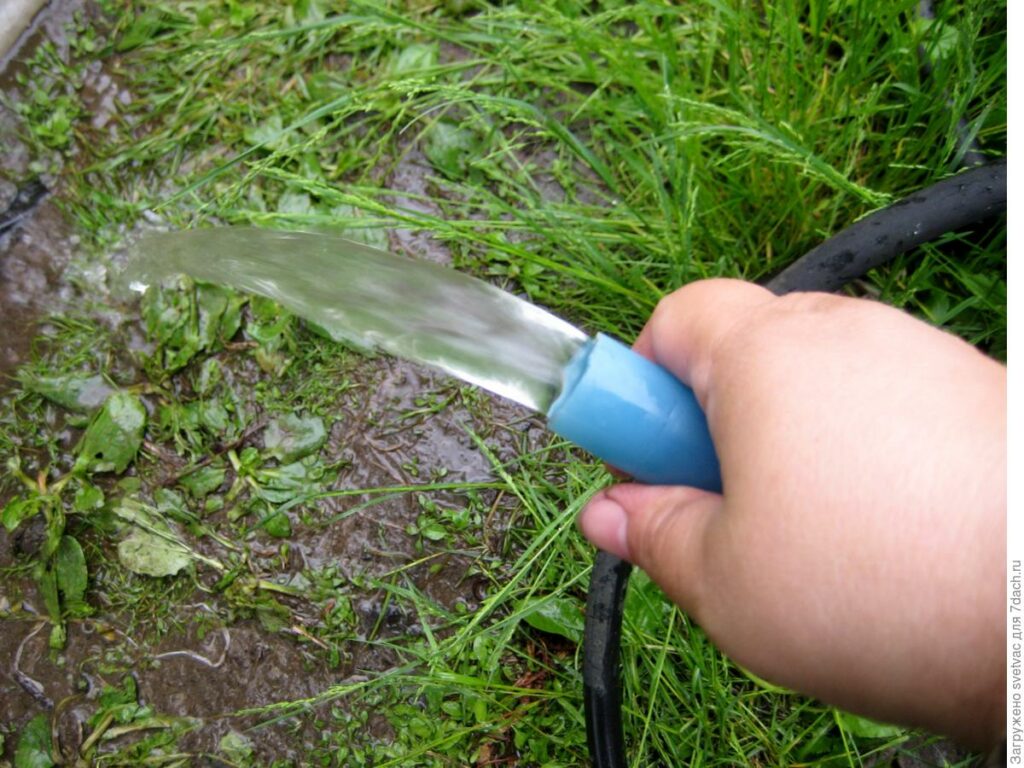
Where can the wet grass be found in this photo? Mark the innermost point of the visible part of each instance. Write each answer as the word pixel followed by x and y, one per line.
pixel 593 157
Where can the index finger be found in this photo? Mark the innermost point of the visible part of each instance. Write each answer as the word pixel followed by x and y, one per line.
pixel 689 323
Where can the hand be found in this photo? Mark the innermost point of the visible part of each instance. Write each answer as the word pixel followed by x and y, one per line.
pixel 858 551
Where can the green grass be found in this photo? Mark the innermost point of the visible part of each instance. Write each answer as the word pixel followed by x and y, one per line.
pixel 592 155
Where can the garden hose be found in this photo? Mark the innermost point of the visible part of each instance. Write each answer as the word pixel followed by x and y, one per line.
pixel 947 206
pixel 967 198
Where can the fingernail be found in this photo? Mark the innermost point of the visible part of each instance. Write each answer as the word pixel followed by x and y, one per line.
pixel 603 522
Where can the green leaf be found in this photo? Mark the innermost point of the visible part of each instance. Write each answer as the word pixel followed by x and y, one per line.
pixel 432 530
pixel 865 728
pixel 939 39
pixel 451 148
pixel 203 481
pixel 58 636
pixel 273 616
pixel 212 301
pixel 153 548
pixel 72 574
pixel 144 28
pixel 210 375
pixel 121 704
pixel 171 504
pixel 295 203
pixel 289 481
pixel 78 393
pixel 54 530
pixel 270 133
pixel 88 498
pixel 17 511
pixel 172 322
pixel 35 748
pixel 646 605
pixel 152 555
pixel 237 748
pixel 344 217
pixel 113 436
pixel 557 616
pixel 270 324
pixel 46 578
pixel 291 437
pixel 133 511
pixel 414 59
pixel 308 11
pixel 278 525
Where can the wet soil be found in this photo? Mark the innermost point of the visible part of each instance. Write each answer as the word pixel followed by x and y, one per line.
pixel 202 659
pixel 208 666
pixel 33 256
pixel 35 250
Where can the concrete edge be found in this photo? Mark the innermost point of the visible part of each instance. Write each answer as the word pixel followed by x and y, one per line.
pixel 15 18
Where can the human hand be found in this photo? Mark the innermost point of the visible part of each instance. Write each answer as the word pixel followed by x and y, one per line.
pixel 858 551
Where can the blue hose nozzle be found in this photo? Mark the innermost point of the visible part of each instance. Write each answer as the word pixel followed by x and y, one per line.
pixel 635 415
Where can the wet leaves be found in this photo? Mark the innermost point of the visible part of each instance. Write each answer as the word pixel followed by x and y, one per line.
pixel 172 321
pixel 114 435
pixel 291 437
pixel 88 498
pixel 346 218
pixel 46 580
pixel 414 59
pixel 270 325
pixel 35 747
pixel 237 748
pixel 72 575
pixel 152 547
pixel 270 134
pixel 150 555
pixel 278 525
pixel 220 314
pixel 75 392
pixel 18 510
pixel 865 728
pixel 203 481
pixel 451 148
pixel 185 318
pixel 557 616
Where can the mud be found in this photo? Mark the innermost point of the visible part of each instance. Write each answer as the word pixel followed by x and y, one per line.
pixel 208 666
pixel 203 659
pixel 34 251
pixel 33 256
pixel 410 175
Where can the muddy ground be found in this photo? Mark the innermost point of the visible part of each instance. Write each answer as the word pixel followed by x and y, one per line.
pixel 205 662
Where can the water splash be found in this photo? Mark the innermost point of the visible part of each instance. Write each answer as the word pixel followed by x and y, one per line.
pixel 378 300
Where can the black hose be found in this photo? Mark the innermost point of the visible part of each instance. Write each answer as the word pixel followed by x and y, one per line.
pixel 946 206
pixel 602 691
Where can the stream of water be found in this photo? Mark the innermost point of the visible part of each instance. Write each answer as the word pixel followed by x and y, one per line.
pixel 412 309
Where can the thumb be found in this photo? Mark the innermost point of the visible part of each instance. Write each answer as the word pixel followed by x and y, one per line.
pixel 662 529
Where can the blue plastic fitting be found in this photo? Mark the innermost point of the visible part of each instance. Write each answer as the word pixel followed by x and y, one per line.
pixel 636 416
